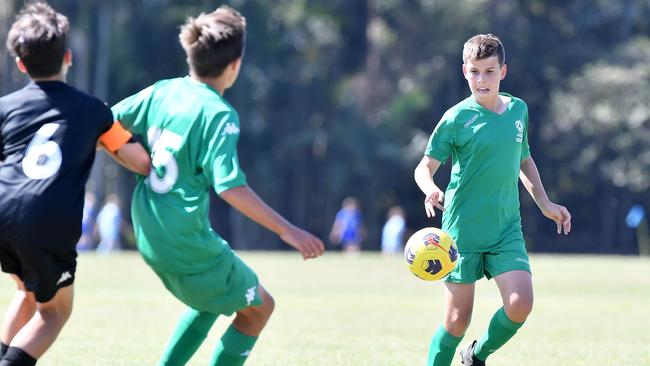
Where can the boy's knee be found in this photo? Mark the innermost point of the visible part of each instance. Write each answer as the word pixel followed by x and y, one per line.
pixel 519 308
pixel 59 308
pixel 457 325
pixel 56 314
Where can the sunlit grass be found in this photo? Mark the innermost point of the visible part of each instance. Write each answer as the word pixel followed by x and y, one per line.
pixel 367 310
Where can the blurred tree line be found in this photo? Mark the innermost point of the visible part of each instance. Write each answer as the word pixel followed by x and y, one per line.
pixel 337 98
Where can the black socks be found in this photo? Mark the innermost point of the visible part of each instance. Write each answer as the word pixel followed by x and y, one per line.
pixel 3 349
pixel 15 356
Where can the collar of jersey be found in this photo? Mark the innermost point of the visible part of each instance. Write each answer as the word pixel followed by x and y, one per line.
pixel 203 85
pixel 209 89
pixel 48 84
pixel 480 108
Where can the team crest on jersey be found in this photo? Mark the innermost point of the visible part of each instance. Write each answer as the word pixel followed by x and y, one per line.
pixel 519 125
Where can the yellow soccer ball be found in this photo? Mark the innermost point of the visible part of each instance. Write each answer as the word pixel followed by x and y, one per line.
pixel 431 253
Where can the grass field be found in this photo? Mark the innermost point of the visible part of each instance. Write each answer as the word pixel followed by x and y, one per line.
pixel 342 311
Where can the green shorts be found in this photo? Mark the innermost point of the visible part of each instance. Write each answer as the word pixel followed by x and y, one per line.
pixel 229 286
pixel 472 266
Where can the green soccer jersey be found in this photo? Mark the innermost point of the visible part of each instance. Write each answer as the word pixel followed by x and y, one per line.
pixel 192 135
pixel 486 148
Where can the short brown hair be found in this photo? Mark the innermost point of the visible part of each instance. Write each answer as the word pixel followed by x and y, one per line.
pixel 39 38
pixel 212 41
pixel 483 46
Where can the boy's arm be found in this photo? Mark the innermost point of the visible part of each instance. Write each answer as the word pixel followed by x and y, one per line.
pixel 120 145
pixel 529 176
pixel 434 197
pixel 246 201
pixel 131 156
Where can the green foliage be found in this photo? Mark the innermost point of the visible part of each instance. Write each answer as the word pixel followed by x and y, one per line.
pixel 606 107
pixel 599 131
pixel 338 97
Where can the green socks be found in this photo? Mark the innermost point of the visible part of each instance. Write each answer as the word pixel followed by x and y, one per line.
pixel 501 329
pixel 190 332
pixel 442 348
pixel 233 349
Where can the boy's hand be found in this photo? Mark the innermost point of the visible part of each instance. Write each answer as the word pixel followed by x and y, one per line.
pixel 560 215
pixel 433 200
pixel 307 244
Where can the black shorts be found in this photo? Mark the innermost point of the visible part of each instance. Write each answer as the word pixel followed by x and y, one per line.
pixel 44 267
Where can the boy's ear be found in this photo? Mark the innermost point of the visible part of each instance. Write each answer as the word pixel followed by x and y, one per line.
pixel 504 71
pixel 21 65
pixel 235 65
pixel 67 57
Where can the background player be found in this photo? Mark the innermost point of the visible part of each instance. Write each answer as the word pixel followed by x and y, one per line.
pixel 347 229
pixel 48 137
pixel 192 133
pixel 487 138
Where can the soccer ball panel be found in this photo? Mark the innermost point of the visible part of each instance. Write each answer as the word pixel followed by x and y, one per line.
pixel 431 254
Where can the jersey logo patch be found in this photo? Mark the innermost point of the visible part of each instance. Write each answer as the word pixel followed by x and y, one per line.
pixel 230 129
pixel 471 120
pixel 250 295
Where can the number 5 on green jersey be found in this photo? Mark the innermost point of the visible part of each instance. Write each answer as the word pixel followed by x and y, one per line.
pixel 164 170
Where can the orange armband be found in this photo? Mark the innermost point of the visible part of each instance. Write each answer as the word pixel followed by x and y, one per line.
pixel 115 137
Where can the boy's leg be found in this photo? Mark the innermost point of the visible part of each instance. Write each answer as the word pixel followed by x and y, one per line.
pixel 459 302
pixel 19 312
pixel 35 337
pixel 238 341
pixel 190 332
pixel 516 289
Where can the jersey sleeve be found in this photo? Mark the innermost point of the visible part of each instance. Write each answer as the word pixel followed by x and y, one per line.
pixel 525 149
pixel 442 139
pixel 220 163
pixel 131 112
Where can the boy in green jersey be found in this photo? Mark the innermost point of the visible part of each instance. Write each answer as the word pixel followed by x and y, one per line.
pixel 192 134
pixel 486 136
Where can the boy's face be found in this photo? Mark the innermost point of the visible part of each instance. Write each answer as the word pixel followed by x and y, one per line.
pixel 484 76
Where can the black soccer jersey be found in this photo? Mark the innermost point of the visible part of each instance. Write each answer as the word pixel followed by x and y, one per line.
pixel 48 137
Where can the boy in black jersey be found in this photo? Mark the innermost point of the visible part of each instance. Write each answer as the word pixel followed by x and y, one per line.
pixel 49 132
